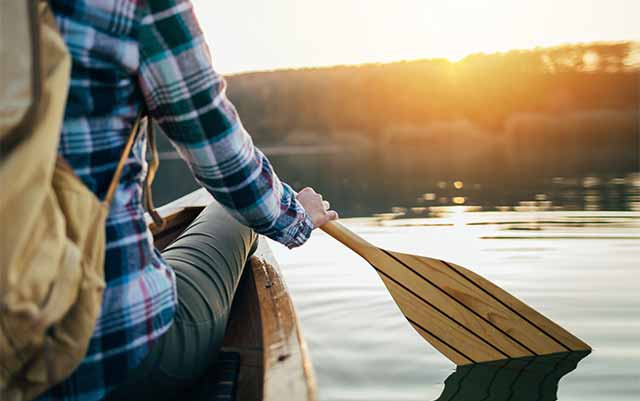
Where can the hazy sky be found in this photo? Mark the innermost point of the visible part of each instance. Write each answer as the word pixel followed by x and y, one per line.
pixel 249 35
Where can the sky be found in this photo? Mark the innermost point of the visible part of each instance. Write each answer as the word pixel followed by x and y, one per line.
pixel 256 35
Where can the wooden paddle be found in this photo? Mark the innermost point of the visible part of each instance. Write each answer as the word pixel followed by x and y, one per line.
pixel 463 315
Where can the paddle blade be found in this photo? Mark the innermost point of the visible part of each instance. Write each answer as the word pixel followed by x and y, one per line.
pixel 463 315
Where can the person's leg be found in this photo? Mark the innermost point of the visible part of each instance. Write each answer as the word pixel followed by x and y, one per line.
pixel 208 259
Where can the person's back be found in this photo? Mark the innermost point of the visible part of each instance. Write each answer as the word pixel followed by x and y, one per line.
pixel 102 104
pixel 130 54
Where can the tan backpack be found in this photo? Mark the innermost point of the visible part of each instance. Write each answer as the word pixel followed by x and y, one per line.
pixel 53 228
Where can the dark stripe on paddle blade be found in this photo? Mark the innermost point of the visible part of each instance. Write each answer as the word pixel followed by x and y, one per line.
pixel 462 304
pixel 420 327
pixel 441 312
pixel 507 306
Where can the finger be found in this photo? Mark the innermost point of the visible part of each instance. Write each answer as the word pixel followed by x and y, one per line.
pixel 326 205
pixel 326 217
pixel 305 190
pixel 332 215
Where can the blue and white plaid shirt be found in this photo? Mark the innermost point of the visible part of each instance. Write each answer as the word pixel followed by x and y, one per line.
pixel 126 54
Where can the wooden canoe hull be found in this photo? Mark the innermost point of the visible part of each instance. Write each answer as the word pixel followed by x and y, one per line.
pixel 265 352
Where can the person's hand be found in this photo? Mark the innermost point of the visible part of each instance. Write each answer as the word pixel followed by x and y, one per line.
pixel 316 207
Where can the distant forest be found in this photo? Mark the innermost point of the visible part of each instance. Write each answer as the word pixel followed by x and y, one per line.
pixel 572 109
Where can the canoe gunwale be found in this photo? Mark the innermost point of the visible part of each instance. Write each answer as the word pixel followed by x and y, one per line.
pixel 263 327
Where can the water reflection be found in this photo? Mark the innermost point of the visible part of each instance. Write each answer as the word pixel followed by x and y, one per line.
pixel 522 379
pixel 366 183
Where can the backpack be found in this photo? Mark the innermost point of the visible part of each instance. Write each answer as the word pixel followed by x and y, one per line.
pixel 52 244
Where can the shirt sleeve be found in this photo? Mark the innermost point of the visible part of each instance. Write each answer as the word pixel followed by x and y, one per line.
pixel 186 97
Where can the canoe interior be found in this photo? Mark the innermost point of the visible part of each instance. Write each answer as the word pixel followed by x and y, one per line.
pixel 264 355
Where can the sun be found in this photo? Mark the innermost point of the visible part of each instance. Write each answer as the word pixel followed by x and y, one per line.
pixel 302 33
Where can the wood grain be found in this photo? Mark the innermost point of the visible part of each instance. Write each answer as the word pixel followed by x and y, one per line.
pixel 471 296
pixel 544 324
pixel 454 335
pixel 263 328
pixel 462 315
pixel 177 216
pixel 441 346
pixel 287 367
pixel 466 317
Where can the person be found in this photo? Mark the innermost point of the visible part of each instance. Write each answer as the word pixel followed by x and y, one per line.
pixel 162 318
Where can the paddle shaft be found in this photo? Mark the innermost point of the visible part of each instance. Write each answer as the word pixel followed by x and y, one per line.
pixel 352 240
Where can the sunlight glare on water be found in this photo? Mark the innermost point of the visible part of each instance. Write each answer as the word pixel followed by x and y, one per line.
pixel 578 268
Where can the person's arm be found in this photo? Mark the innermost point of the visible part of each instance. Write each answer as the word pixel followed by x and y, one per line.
pixel 187 98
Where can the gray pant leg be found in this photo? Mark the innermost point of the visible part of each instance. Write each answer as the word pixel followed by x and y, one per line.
pixel 208 259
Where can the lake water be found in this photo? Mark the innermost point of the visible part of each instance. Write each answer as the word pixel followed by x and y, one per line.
pixel 364 182
pixel 581 269
pixel 564 240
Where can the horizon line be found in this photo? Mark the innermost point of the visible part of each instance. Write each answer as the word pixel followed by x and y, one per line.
pixel 633 42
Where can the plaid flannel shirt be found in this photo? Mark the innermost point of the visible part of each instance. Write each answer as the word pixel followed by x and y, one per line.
pixel 126 54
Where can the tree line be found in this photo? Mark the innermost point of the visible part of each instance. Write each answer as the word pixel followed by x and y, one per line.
pixel 576 105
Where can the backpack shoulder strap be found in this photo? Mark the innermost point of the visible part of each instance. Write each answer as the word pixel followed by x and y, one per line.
pixel 151 173
pixel 148 200
pixel 123 158
pixel 20 91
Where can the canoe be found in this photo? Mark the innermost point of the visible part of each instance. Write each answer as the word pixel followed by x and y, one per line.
pixel 264 357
